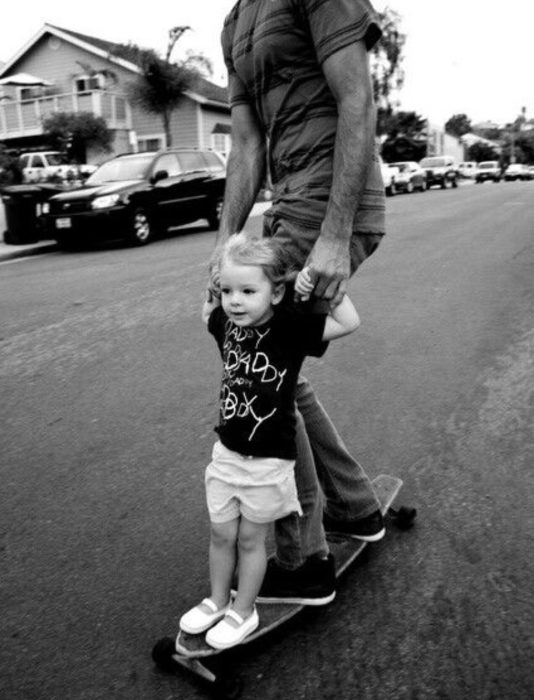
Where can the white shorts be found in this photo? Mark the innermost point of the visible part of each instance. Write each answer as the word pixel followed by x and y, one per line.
pixel 262 489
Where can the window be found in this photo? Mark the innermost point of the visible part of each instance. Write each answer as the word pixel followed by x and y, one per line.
pixel 168 162
pixel 86 83
pixel 37 162
pixel 190 161
pixel 221 142
pixel 150 143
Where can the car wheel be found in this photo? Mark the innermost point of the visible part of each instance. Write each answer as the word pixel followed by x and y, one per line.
pixel 444 183
pixel 214 216
pixel 455 182
pixel 423 186
pixel 141 231
pixel 409 187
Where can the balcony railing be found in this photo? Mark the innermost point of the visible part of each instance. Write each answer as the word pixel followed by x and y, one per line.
pixel 25 118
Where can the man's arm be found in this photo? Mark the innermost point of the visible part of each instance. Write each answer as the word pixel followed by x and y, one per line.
pixel 245 171
pixel 348 77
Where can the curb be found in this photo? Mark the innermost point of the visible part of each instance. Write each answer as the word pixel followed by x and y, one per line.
pixel 8 252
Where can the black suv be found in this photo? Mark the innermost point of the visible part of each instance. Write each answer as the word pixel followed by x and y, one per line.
pixel 135 196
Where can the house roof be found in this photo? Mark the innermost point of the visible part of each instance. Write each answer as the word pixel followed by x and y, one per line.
pixel 205 92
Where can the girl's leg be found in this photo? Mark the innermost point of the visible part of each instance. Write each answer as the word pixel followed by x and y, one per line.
pixel 252 565
pixel 222 557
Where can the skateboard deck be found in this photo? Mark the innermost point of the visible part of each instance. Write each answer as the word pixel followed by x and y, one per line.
pixel 189 650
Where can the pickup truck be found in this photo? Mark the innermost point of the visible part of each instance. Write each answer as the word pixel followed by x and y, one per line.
pixel 40 166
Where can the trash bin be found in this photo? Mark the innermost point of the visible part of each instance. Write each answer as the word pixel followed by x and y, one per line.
pixel 23 207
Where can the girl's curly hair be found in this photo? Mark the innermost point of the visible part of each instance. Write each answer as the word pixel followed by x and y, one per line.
pixel 267 253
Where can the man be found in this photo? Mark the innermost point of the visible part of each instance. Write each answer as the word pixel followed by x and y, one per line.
pixel 302 111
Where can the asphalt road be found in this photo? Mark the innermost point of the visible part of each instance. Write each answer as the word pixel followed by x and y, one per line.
pixel 109 395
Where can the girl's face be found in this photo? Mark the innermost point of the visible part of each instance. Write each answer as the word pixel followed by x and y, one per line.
pixel 247 294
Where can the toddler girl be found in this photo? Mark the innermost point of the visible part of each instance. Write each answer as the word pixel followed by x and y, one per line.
pixel 250 481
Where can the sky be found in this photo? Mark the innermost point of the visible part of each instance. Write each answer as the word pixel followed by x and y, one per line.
pixel 461 56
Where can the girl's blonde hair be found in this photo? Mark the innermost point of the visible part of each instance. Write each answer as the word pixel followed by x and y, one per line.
pixel 266 253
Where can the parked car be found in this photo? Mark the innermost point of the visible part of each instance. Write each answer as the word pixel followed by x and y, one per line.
pixel 488 170
pixel 440 170
pixel 410 176
pixel 389 177
pixel 468 169
pixel 40 166
pixel 517 171
pixel 135 196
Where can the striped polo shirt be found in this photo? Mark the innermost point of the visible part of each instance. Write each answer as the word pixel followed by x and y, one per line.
pixel 273 51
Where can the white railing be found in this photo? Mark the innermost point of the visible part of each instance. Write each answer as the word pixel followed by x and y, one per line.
pixel 25 117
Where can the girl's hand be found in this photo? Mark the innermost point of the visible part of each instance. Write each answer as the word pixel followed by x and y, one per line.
pixel 304 284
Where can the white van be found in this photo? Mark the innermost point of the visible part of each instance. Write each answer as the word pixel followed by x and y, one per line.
pixel 467 168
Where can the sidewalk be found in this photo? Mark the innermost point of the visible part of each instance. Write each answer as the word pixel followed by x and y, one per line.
pixel 9 252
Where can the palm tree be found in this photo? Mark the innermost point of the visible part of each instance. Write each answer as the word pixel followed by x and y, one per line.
pixel 161 86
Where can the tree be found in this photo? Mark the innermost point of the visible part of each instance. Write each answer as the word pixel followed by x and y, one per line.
pixel 406 137
pixel 458 125
pixel 482 151
pixel 162 84
pixel 386 66
pixel 73 132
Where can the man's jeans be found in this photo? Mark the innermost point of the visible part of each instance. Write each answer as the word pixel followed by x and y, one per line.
pixel 323 466
pixel 325 471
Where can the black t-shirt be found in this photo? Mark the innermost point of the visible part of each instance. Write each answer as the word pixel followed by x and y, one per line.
pixel 261 365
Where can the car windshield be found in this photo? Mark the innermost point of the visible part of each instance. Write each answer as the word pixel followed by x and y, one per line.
pixel 432 162
pixel 403 167
pixel 488 165
pixel 118 169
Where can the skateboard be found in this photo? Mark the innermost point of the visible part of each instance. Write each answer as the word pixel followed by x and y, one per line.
pixel 191 651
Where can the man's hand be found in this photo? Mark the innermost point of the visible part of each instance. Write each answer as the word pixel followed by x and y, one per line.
pixel 329 265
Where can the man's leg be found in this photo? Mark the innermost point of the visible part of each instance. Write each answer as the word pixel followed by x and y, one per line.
pixel 298 537
pixel 303 570
pixel 347 488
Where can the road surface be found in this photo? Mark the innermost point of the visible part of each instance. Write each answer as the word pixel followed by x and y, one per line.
pixel 109 396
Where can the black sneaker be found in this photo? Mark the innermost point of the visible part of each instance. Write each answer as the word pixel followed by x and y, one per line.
pixel 314 583
pixel 368 529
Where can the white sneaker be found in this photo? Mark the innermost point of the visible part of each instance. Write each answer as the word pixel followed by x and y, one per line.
pixel 196 620
pixel 224 635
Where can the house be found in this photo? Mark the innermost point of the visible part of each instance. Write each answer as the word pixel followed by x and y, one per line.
pixel 440 143
pixel 81 73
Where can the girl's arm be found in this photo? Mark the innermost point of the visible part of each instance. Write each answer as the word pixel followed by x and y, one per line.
pixel 211 303
pixel 341 320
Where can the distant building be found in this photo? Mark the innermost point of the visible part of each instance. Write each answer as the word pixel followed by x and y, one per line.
pixel 81 73
pixel 469 140
pixel 439 143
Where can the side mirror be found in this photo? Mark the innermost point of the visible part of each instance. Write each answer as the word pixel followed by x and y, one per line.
pixel 160 175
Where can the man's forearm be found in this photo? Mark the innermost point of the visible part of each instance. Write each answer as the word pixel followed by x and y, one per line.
pixel 244 177
pixel 353 155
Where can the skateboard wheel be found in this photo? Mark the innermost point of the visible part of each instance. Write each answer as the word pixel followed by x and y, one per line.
pixel 228 688
pixel 404 517
pixel 162 654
